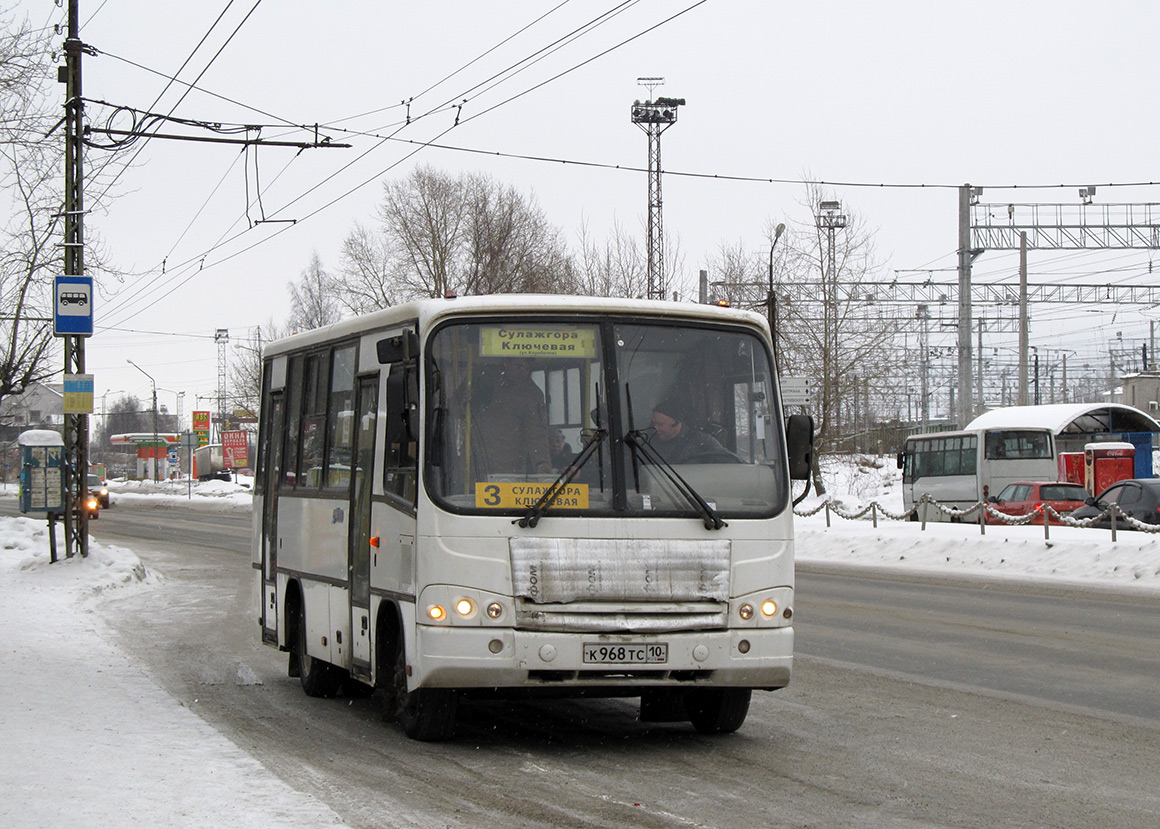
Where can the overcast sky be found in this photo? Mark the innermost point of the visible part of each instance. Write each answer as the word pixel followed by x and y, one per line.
pixel 860 93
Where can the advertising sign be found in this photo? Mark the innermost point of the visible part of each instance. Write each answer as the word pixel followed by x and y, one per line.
pixel 201 427
pixel 234 455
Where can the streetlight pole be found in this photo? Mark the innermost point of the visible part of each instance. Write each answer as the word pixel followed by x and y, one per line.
pixel 771 300
pixel 152 382
pixel 105 420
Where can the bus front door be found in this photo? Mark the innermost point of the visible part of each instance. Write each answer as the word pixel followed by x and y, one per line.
pixel 359 567
pixel 273 481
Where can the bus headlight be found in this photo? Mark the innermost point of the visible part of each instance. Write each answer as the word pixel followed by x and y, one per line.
pixel 495 610
pixel 745 611
pixel 437 613
pixel 769 608
pixel 465 607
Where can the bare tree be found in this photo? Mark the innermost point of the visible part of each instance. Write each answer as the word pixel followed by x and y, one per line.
pixel 614 268
pixel 366 280
pixel 829 331
pixel 246 365
pixel 438 233
pixel 30 166
pixel 423 219
pixel 313 300
pixel 511 246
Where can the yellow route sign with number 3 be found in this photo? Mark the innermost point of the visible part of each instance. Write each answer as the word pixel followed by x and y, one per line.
pixel 514 495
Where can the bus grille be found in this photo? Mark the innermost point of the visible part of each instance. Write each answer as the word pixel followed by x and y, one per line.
pixel 620 585
pixel 612 617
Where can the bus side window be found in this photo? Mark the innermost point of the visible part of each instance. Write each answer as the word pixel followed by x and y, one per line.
pixel 293 421
pixel 401 470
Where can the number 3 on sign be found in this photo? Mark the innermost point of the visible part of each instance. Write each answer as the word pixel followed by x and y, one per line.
pixel 489 495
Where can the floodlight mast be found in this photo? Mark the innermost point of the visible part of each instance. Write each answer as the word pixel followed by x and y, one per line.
pixel 654 117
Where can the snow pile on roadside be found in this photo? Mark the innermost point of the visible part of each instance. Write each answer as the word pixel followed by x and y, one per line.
pixel 89 740
pixel 25 549
pixel 1069 556
pixel 221 494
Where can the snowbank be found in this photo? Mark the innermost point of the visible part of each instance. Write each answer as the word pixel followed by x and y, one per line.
pixel 89 740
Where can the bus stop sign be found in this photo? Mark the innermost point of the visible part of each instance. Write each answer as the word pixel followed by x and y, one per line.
pixel 73 307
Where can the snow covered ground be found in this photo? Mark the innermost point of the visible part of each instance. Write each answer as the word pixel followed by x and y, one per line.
pixel 90 740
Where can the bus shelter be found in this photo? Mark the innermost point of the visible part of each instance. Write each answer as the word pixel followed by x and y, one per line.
pixel 1077 424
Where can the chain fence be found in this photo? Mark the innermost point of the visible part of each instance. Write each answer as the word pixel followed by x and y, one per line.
pixel 978 513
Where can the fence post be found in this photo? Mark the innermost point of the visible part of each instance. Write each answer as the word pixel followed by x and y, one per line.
pixel 827 513
pixel 874 513
pixel 1113 509
pixel 982 518
pixel 1046 524
pixel 922 510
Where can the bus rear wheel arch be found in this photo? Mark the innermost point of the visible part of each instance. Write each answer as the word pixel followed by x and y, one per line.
pixel 318 678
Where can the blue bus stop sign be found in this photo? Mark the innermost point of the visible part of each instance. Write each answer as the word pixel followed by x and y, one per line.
pixel 73 307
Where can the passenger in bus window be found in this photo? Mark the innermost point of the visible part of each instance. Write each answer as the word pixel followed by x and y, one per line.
pixel 677 441
pixel 561 451
pixel 513 424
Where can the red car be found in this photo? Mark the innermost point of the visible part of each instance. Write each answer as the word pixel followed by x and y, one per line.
pixel 1024 497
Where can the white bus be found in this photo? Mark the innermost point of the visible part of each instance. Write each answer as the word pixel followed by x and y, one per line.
pixel 418 528
pixel 960 469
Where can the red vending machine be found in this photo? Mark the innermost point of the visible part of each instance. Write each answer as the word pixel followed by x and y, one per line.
pixel 1106 463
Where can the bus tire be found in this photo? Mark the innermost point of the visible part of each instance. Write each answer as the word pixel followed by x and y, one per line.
pixel 426 714
pixel 318 678
pixel 717 710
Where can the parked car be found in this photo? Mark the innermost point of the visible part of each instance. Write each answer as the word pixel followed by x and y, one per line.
pixel 1026 497
pixel 97 487
pixel 1137 497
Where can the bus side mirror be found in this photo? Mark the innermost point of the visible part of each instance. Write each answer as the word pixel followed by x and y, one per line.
pixel 402 404
pixel 799 439
pixel 400 348
pixel 901 460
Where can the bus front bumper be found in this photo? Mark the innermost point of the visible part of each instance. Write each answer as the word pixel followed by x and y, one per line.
pixel 504 658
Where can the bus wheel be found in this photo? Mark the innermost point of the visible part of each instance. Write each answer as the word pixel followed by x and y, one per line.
pixel 426 714
pixel 717 710
pixel 318 678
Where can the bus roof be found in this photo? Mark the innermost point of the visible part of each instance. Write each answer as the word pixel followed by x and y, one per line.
pixel 429 311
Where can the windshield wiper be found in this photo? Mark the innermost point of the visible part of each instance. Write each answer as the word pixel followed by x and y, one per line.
pixel 637 440
pixel 536 511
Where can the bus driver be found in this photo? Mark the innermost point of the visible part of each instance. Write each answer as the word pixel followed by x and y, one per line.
pixel 677 441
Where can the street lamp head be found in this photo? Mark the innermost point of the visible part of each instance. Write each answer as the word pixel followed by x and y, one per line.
pixel 777 231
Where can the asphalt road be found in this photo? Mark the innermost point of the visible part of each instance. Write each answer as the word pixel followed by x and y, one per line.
pixel 913 703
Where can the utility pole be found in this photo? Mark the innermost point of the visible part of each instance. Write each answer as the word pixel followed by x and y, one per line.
pixel 76 426
pixel 966 408
pixel 222 338
pixel 924 399
pixel 654 117
pixel 979 366
pixel 1024 321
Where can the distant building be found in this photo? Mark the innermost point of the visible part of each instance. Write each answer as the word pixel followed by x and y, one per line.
pixel 40 407
pixel 1141 390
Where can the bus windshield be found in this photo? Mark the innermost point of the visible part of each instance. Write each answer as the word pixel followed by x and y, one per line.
pixel 647 418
